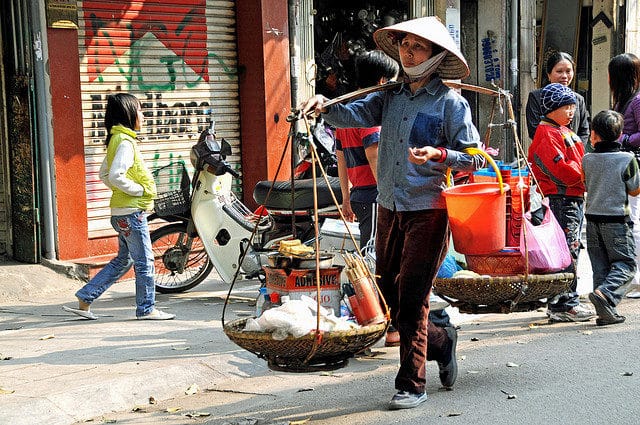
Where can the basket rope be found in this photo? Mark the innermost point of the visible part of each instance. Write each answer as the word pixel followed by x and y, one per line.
pixel 334 343
pixel 525 287
pixel 262 212
pixel 315 159
pixel 511 122
pixel 344 220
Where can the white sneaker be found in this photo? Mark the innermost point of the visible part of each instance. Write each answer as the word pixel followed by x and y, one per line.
pixel 406 400
pixel 633 294
pixel 87 314
pixel 157 315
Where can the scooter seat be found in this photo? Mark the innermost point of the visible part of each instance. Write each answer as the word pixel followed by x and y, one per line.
pixel 280 197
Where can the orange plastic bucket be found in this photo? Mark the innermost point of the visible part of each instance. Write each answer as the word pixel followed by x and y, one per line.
pixel 477 217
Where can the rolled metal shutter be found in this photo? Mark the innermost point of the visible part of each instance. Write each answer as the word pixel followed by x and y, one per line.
pixel 179 58
pixel 5 207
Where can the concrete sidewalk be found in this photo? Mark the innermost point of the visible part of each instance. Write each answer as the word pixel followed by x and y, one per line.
pixel 56 368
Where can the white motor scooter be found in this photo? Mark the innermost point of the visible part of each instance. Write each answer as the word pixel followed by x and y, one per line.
pixel 211 227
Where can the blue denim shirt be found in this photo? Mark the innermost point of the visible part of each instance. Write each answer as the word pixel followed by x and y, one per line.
pixel 434 116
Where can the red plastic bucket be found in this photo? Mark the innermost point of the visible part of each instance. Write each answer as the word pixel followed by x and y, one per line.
pixel 477 217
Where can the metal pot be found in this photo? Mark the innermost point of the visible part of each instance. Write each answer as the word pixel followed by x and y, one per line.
pixel 279 261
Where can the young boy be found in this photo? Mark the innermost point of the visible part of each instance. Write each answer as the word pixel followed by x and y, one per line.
pixel 357 149
pixel 555 156
pixel 610 175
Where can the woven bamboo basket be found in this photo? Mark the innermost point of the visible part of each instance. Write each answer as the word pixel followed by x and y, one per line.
pixel 317 350
pixel 502 294
pixel 510 263
pixel 299 354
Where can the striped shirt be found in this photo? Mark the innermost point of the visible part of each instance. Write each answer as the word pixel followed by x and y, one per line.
pixel 353 142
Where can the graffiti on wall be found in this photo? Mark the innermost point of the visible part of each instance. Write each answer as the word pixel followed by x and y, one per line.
pixel 491 58
pixel 158 51
pixel 182 28
pixel 162 120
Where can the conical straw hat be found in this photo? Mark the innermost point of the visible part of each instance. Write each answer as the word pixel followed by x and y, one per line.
pixel 454 66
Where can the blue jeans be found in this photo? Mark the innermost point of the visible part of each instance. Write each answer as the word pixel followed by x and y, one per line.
pixel 440 318
pixel 611 249
pixel 134 247
pixel 570 213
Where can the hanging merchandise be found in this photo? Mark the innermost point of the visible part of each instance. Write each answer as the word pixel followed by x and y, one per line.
pixel 342 32
pixel 476 212
pixel 545 244
pixel 307 332
pixel 503 281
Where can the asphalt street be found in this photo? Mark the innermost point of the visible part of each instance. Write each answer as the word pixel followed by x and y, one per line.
pixel 513 368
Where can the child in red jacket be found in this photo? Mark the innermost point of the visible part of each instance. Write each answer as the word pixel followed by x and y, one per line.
pixel 555 156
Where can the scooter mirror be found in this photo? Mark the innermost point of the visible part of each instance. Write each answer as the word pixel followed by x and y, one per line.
pixel 225 148
pixel 212 143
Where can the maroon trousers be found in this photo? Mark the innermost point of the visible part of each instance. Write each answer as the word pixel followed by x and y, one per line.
pixel 410 247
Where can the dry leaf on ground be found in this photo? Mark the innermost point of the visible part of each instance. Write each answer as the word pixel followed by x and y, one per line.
pixel 196 414
pixel 193 389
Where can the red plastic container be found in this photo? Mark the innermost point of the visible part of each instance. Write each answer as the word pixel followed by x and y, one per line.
pixel 477 217
pixel 369 311
pixel 514 203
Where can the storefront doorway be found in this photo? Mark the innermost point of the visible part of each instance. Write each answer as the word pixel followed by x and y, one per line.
pixel 340 33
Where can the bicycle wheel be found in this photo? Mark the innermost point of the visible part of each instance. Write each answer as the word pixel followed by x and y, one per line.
pixel 178 268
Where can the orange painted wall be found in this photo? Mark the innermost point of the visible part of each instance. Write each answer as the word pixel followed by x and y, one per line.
pixel 68 145
pixel 265 91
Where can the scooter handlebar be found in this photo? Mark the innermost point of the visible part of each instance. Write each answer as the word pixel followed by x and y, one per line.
pixel 203 157
pixel 219 166
pixel 231 171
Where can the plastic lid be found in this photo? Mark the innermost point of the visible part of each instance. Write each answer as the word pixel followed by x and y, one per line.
pixel 491 172
pixel 517 172
pixel 263 290
pixel 275 297
pixel 485 172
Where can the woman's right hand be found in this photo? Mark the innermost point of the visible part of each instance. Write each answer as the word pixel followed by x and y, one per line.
pixel 315 104
pixel 421 155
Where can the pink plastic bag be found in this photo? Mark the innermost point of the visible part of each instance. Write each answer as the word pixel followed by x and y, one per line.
pixel 545 243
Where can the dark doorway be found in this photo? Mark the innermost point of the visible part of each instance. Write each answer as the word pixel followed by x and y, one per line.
pixel 20 141
pixel 342 30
